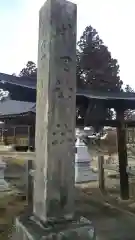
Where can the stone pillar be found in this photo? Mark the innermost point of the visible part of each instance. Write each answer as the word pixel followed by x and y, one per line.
pixel 3 184
pixel 29 183
pixel 56 111
pixel 53 204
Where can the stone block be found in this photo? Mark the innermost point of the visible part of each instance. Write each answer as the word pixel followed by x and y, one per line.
pixel 28 228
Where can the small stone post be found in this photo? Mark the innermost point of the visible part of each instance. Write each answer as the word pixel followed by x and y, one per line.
pixel 29 184
pixel 3 183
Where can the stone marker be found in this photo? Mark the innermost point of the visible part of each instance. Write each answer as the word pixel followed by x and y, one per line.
pixel 3 184
pixel 53 205
pixel 56 107
pixel 83 170
pixel 29 183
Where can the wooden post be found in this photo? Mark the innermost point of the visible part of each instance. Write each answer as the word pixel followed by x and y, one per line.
pixel 29 128
pixel 2 135
pixel 122 153
pixel 31 137
pixel 101 173
pixel 14 135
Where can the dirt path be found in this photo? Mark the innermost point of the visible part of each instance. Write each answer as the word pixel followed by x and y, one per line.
pixel 110 223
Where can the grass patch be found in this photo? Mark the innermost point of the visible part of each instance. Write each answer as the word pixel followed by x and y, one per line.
pixel 19 162
pixel 10 207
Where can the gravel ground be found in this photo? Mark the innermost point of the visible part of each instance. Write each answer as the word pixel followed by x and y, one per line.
pixel 110 224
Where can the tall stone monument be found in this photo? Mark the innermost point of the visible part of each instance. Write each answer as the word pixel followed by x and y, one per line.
pixel 53 204
pixel 56 107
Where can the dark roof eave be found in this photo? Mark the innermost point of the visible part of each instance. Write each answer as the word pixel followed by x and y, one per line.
pixel 7 116
pixel 27 82
pixel 106 95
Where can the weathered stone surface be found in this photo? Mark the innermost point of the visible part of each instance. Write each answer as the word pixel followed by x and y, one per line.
pixel 56 111
pixel 53 206
pixel 3 184
pixel 79 228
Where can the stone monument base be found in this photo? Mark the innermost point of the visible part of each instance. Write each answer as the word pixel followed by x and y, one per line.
pixel 28 228
pixel 84 174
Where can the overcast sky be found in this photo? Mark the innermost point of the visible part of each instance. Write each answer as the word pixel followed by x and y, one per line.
pixel 113 19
